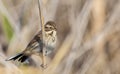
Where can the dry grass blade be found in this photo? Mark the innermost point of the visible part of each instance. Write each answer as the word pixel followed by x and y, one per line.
pixel 43 34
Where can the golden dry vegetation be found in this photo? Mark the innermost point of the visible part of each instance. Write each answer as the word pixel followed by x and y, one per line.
pixel 88 36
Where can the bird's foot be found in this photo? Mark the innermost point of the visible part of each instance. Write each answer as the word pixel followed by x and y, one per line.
pixel 44 66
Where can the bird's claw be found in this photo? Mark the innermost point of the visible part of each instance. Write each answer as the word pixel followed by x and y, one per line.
pixel 44 66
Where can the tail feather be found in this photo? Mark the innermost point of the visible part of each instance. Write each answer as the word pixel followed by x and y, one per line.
pixel 14 57
pixel 21 57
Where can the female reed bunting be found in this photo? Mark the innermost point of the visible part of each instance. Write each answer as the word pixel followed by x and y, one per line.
pixel 36 45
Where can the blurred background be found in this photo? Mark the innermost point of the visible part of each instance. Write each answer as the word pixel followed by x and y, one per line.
pixel 88 36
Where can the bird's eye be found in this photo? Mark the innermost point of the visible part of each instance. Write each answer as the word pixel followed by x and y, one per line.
pixel 50 27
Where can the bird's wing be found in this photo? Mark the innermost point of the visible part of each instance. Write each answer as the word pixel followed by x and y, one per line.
pixel 36 42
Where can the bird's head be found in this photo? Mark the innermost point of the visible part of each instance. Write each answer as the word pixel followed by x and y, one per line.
pixel 50 28
pixel 50 25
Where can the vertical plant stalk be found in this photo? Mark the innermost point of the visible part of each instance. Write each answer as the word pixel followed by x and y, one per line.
pixel 99 22
pixel 43 36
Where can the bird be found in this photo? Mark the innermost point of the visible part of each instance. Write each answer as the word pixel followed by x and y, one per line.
pixel 35 46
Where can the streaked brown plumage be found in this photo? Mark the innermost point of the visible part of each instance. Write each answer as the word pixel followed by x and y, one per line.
pixel 36 44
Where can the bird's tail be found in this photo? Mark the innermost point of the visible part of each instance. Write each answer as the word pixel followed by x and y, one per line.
pixel 21 57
